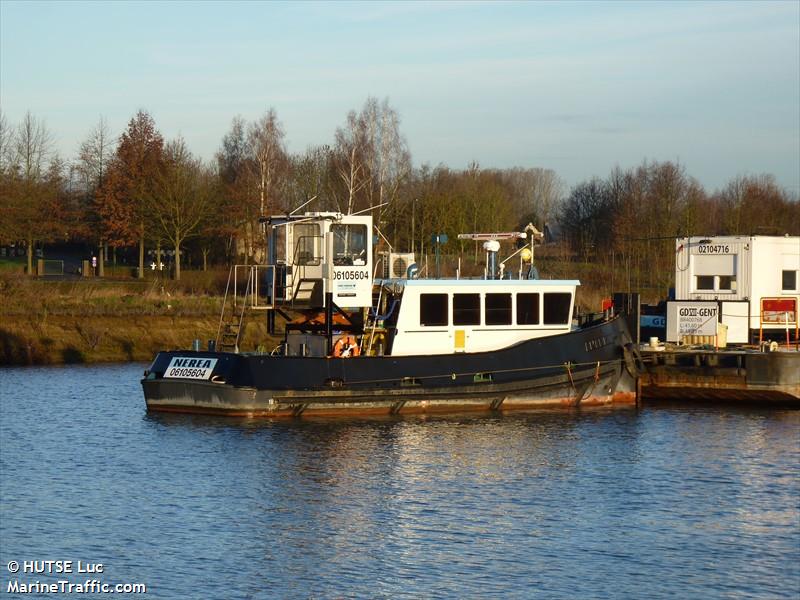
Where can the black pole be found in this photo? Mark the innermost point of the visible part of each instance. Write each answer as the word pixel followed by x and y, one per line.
pixel 329 320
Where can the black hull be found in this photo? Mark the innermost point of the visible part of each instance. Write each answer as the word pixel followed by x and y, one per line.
pixel 587 367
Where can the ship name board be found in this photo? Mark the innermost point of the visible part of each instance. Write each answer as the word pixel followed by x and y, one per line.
pixel 181 367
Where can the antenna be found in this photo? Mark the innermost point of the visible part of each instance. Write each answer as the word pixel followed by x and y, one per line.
pixel 368 209
pixel 314 197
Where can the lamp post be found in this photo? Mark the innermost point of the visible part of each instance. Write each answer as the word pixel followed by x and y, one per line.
pixel 413 223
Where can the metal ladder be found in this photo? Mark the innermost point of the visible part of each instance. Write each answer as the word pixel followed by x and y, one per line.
pixel 229 330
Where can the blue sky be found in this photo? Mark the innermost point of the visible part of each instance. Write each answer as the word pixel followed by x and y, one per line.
pixel 576 87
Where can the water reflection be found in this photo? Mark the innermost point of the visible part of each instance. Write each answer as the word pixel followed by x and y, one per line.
pixel 680 502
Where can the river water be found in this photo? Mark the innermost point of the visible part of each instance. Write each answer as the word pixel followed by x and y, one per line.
pixel 678 502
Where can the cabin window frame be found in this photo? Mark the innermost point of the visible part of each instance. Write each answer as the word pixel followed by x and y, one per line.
pixel 509 311
pixel 537 308
pixel 547 306
pixel 425 300
pixel 475 310
pixel 306 244
pixel 350 244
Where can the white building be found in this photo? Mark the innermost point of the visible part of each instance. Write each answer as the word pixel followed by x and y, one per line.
pixel 755 281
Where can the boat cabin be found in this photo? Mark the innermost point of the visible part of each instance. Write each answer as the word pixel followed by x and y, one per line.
pixel 442 316
pixel 320 265
pixel 318 253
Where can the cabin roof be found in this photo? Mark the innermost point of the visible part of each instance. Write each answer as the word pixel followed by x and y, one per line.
pixel 488 283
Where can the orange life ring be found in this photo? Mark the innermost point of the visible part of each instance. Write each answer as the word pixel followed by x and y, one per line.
pixel 345 347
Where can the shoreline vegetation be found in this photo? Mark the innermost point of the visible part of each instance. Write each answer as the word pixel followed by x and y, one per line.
pixel 45 321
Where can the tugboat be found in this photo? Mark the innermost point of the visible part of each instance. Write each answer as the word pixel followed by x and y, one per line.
pixel 394 344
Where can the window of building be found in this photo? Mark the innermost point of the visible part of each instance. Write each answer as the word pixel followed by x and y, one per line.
pixel 498 309
pixel 715 283
pixel 433 310
pixel 789 281
pixel 349 244
pixel 466 309
pixel 705 282
pixel 527 309
pixel 556 308
pixel 306 242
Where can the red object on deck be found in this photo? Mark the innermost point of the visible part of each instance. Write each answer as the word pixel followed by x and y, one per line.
pixel 607 304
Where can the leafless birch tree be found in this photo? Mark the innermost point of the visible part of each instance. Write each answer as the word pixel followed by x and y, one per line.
pixel 94 157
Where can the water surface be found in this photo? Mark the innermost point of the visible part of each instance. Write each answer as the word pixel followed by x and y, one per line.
pixel 678 502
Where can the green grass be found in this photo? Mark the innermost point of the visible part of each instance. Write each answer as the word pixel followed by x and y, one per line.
pixel 13 265
pixel 38 298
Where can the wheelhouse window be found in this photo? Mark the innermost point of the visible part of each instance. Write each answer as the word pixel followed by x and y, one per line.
pixel 789 281
pixel 466 309
pixel 433 310
pixel 349 244
pixel 306 242
pixel 498 309
pixel 556 308
pixel 527 309
pixel 277 244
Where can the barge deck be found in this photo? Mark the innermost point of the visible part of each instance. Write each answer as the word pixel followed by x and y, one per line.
pixel 742 375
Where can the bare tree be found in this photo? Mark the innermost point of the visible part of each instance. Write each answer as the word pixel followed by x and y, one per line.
pixel 6 144
pixel 535 193
pixel 182 197
pixel 94 157
pixel 310 177
pixel 351 159
pixel 265 138
pixel 386 153
pixel 32 148
pixel 372 156
pixel 95 154
pixel 268 164
pixel 234 173
pixel 33 145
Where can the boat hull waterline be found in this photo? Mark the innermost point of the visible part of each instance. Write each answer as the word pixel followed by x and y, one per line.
pixel 587 367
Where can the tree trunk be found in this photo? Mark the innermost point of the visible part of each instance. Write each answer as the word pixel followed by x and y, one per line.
pixel 205 259
pixel 141 256
pixel 158 257
pixel 177 261
pixel 101 259
pixel 29 253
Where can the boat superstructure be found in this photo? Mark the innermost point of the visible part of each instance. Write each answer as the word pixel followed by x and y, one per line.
pixel 354 342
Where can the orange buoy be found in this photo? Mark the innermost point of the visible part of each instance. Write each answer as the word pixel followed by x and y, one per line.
pixel 346 347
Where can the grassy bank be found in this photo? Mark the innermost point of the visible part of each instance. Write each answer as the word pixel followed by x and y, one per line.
pixel 85 321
